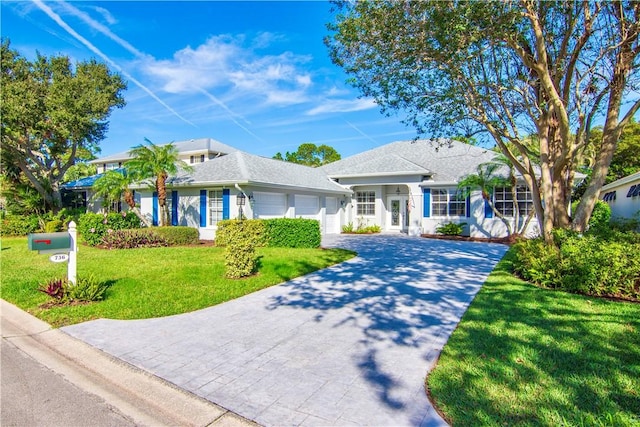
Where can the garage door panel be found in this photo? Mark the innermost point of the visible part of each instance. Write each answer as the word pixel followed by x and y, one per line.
pixel 269 205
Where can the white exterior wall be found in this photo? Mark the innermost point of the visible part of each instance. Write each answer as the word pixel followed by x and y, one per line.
pixel 623 206
pixel 266 203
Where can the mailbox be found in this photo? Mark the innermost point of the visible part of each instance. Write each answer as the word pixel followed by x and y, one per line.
pixel 50 241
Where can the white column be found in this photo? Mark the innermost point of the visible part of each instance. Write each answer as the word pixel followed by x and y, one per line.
pixel 73 254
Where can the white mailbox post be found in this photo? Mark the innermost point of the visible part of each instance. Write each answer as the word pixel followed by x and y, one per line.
pixel 63 246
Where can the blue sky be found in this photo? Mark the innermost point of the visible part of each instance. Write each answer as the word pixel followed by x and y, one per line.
pixel 253 75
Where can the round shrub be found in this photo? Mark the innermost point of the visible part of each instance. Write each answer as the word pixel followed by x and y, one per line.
pixel 240 259
pixel 93 227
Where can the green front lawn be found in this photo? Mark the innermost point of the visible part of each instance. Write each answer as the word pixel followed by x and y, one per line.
pixel 150 282
pixel 528 356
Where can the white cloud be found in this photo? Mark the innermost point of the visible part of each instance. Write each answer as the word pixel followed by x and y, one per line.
pixel 342 106
pixel 226 63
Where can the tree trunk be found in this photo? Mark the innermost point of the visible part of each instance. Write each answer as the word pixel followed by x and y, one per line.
pixel 161 187
pixel 130 201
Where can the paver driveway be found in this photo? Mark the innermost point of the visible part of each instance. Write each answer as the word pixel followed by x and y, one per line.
pixel 348 345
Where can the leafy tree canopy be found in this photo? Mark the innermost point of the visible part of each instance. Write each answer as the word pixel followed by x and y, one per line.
pixel 311 155
pixel 53 114
pixel 504 70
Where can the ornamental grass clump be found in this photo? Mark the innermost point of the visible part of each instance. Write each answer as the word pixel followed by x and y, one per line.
pixel 86 289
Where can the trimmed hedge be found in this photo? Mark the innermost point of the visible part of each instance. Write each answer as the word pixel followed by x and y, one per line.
pixel 599 264
pixel 276 232
pixel 293 233
pixel 178 235
pixel 253 230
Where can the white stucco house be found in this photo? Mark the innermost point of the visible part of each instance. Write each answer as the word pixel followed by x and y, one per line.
pixel 411 186
pixel 405 186
pixel 623 196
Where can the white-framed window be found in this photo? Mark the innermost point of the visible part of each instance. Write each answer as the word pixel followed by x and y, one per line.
pixel 503 200
pixel 448 202
pixel 215 207
pixel 196 159
pixel 366 203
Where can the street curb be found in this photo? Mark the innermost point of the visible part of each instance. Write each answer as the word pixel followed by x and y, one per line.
pixel 139 395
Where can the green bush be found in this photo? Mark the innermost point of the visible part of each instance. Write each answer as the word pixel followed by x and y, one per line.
pixel 292 233
pixel 601 215
pixel 600 264
pixel 276 232
pixel 348 228
pixel 86 289
pixel 18 225
pixel 93 227
pixel 240 238
pixel 178 235
pixel 53 226
pixel 134 238
pixel 234 229
pixel 451 228
pixel 240 259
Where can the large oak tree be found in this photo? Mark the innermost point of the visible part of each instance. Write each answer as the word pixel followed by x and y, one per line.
pixel 54 113
pixel 507 69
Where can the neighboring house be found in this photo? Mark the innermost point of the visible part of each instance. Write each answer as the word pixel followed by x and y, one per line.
pixel 411 186
pixel 191 151
pixel 623 195
pixel 406 186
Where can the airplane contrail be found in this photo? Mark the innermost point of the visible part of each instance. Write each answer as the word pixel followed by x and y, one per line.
pixel 97 51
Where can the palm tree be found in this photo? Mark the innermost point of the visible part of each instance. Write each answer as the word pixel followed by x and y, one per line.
pixel 114 185
pixel 156 162
pixel 486 179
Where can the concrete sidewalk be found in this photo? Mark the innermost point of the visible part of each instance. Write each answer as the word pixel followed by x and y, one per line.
pixel 142 398
pixel 348 345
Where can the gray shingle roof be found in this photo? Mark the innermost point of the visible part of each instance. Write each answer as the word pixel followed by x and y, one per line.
pixel 241 167
pixel 191 145
pixel 443 160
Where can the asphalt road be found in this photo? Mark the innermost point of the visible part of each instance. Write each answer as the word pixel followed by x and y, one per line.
pixel 33 395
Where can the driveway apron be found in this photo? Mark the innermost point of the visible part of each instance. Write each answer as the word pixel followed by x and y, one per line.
pixel 347 345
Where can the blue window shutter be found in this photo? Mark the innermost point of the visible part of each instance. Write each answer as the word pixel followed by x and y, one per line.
pixel 155 208
pixel 203 208
pixel 426 208
pixel 488 212
pixel 174 208
pixel 225 203
pixel 468 206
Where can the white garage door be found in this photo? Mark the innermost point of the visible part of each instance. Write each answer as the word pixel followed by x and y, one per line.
pixel 307 206
pixel 333 218
pixel 269 205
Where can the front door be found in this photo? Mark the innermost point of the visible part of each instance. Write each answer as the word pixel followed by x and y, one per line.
pixel 397 217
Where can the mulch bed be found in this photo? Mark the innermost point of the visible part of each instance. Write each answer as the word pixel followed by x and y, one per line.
pixel 504 240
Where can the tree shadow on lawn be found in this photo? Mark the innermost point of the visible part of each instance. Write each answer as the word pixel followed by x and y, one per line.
pixel 548 357
pixel 401 292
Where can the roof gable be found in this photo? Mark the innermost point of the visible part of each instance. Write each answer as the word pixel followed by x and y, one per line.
pixel 242 167
pixel 443 160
